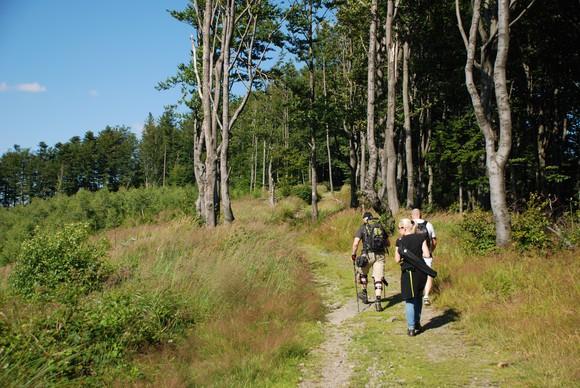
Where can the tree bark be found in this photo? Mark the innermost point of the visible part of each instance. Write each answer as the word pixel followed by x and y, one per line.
pixel 271 183
pixel 496 159
pixel 390 178
pixel 228 27
pixel 407 126
pixel 371 172
pixel 313 163
pixel 328 155
pixel 209 136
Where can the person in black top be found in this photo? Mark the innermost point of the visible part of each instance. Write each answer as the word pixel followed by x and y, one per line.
pixel 412 280
pixel 375 244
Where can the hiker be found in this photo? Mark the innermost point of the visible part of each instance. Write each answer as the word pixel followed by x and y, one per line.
pixel 413 280
pixel 375 244
pixel 423 226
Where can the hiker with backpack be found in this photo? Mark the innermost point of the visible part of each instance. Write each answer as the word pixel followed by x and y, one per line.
pixel 375 244
pixel 426 228
pixel 410 248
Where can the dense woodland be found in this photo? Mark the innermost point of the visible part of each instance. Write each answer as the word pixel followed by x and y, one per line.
pixel 449 104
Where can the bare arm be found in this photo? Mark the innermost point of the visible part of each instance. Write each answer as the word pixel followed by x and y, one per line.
pixel 425 249
pixel 397 255
pixel 433 244
pixel 355 245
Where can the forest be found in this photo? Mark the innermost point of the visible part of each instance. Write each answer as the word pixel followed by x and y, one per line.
pixel 455 105
pixel 213 248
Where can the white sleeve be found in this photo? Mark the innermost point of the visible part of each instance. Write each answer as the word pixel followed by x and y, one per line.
pixel 431 230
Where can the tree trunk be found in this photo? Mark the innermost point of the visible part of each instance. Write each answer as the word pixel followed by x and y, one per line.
pixel 363 160
pixel 371 173
pixel 325 93
pixel 271 184
pixel 407 125
pixel 224 148
pixel 313 164
pixel 390 155
pixel 209 135
pixel 164 162
pixel 264 167
pixel 495 159
pixel 352 165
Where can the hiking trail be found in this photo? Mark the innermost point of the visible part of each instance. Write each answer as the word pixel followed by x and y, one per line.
pixel 372 349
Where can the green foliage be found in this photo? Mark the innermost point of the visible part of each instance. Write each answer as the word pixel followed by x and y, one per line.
pixel 529 229
pixel 72 342
pixel 304 192
pixel 479 231
pixel 288 210
pixel 100 210
pixel 500 283
pixel 59 264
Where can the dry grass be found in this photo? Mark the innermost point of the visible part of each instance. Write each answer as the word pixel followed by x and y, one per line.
pixel 526 304
pixel 246 284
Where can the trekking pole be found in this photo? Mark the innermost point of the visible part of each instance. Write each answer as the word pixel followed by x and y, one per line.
pixel 355 288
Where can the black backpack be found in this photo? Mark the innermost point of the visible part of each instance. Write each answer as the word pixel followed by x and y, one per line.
pixel 375 238
pixel 422 229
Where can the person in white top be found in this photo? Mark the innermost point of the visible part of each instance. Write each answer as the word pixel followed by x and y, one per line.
pixel 432 243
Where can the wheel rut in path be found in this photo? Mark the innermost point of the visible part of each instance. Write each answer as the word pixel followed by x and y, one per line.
pixel 335 369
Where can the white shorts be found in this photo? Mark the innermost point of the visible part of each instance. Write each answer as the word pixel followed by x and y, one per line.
pixel 429 261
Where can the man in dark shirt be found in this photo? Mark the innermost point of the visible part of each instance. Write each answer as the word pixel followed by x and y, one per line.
pixel 375 243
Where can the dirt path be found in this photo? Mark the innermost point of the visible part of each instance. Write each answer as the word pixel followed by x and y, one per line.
pixel 372 349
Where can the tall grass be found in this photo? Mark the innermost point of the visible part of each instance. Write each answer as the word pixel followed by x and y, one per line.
pixel 246 283
pixel 240 295
pixel 522 302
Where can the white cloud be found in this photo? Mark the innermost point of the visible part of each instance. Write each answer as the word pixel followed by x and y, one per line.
pixel 3 86
pixel 93 93
pixel 33 87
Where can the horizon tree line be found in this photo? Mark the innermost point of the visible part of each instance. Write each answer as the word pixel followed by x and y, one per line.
pixel 396 98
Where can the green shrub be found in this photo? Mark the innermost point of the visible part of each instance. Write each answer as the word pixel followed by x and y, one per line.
pixel 304 192
pixel 479 230
pixel 101 210
pixel 90 340
pixel 529 229
pixel 287 210
pixel 61 263
pixel 500 283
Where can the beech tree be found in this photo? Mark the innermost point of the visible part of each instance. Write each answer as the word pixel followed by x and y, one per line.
pixel 492 29
pixel 230 44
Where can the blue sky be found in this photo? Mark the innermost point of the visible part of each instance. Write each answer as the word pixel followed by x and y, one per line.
pixel 69 66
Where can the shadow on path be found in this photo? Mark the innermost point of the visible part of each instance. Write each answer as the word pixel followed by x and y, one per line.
pixel 448 316
pixel 393 300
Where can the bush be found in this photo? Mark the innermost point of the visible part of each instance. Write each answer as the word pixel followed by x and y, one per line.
pixel 101 210
pixel 287 210
pixel 89 340
pixel 61 263
pixel 479 231
pixel 529 229
pixel 304 192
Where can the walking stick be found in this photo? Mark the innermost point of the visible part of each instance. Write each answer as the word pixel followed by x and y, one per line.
pixel 355 288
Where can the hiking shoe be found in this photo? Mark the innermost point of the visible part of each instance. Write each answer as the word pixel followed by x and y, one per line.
pixel 426 301
pixel 363 296
pixel 411 332
pixel 378 305
pixel 418 329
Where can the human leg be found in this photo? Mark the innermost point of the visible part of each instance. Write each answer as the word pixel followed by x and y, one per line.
pixel 429 284
pixel 413 308
pixel 362 276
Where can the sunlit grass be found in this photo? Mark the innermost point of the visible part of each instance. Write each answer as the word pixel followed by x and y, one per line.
pixel 521 305
pixel 246 280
